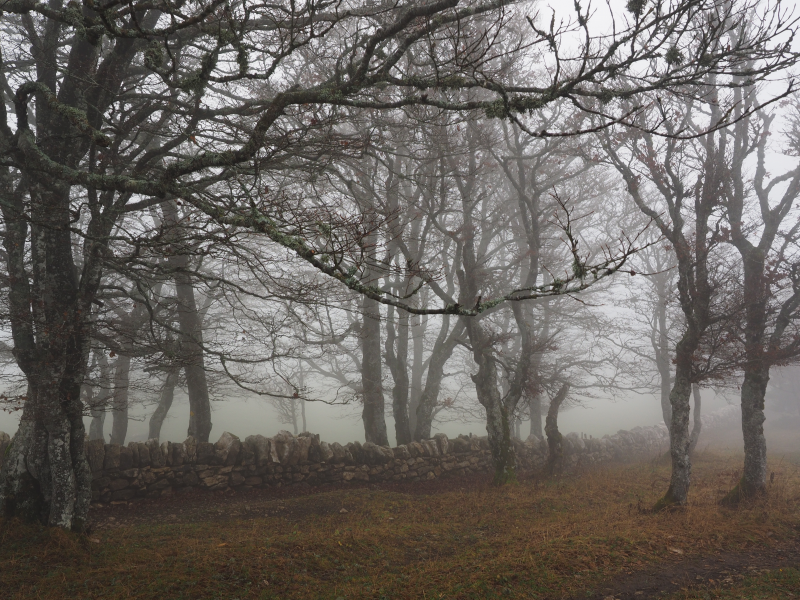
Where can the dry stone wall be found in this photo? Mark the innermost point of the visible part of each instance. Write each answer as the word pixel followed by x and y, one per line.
pixel 149 469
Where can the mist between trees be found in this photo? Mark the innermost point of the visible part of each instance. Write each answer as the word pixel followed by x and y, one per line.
pixel 431 210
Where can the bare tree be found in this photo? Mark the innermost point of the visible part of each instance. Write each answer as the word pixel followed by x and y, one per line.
pixel 119 107
pixel 764 229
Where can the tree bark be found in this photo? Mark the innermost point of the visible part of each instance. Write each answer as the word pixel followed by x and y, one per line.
pixel 46 476
pixel 119 401
pixel 441 353
pixel 191 332
pixel 554 438
pixel 678 491
pixel 535 410
pixel 371 376
pixel 418 326
pixel 754 475
pixel 697 419
pixel 663 358
pixel 397 361
pixel 498 419
pixel 164 404
pixel 100 399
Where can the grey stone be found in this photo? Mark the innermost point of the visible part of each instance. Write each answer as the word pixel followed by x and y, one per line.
pixel 118 484
pixel 371 454
pixel 190 446
pixel 125 458
pixel 339 452
pixel 178 453
pixel 205 454
pixel 165 452
pixel 111 460
pixel 144 455
pixel 415 449
pixel 301 449
pixel 95 454
pixel 158 485
pixel 156 456
pixel 443 443
pixel 461 445
pixel 283 444
pixel 247 455
pixel 401 452
pixel 227 448
pixel 260 447
pixel 133 447
pixel 325 452
pixel 121 495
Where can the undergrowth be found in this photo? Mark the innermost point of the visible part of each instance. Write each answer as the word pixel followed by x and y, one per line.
pixel 550 538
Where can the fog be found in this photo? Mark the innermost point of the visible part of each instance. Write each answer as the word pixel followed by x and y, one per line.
pixel 342 424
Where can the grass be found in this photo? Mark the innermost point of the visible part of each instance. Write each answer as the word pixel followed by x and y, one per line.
pixel 557 538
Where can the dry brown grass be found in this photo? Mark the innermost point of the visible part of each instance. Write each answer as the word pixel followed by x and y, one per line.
pixel 533 540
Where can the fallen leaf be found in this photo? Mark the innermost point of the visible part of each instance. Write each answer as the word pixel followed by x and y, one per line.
pixel 222 544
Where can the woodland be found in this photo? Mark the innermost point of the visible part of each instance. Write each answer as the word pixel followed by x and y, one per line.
pixel 423 209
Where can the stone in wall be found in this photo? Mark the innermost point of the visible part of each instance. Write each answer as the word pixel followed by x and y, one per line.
pixel 150 469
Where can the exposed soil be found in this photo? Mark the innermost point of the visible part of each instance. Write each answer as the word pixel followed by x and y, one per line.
pixel 719 570
pixel 194 504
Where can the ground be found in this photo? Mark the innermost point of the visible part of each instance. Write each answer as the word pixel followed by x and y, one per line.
pixel 586 536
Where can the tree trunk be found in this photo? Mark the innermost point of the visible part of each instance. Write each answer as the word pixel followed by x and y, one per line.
pixel 554 438
pixel 97 423
pixel 418 326
pixel 756 370
pixel 191 329
pixel 119 401
pixel 663 364
pixel 371 377
pixel 45 476
pixel 164 404
pixel 442 351
pixel 293 405
pixel 498 425
pixel 535 410
pixel 678 491
pixel 660 342
pixel 397 361
pixel 754 475
pixel 697 419
pixel 100 399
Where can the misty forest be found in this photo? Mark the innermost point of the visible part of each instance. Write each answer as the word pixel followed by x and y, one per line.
pixel 304 298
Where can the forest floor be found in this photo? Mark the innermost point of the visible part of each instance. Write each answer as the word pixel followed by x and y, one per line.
pixel 589 536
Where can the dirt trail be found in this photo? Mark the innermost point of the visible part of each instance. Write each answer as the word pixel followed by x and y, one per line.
pixel 716 571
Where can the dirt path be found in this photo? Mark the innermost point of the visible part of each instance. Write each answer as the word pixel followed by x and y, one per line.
pixel 721 570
